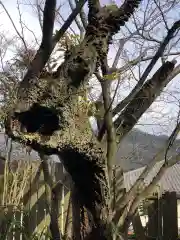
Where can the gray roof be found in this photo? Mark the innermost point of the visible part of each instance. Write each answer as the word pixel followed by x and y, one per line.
pixel 169 182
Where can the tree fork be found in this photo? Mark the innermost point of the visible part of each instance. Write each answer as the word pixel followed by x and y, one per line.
pixel 55 99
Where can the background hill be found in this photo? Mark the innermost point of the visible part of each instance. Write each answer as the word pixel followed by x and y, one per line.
pixel 136 150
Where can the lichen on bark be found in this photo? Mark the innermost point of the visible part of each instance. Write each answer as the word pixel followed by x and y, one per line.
pixel 57 95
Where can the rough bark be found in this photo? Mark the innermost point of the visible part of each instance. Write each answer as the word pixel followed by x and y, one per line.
pixel 47 46
pixel 46 115
pixel 158 54
pixel 137 88
pixel 143 99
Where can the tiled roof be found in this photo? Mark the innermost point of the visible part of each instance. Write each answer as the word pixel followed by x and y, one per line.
pixel 169 182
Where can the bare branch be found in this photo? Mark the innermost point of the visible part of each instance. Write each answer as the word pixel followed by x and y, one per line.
pixel 108 121
pixel 135 61
pixel 48 25
pixel 42 55
pixel 162 14
pixel 138 191
pixel 81 29
pixel 172 139
pixel 94 7
pixel 82 16
pixel 141 81
pixel 143 99
pixel 36 40
pixel 14 26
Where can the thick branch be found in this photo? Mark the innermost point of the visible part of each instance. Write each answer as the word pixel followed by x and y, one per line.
pixel 119 16
pixel 96 33
pixel 99 104
pixel 94 7
pixel 143 99
pixel 42 56
pixel 158 54
pixel 48 25
pixel 78 23
pixel 140 83
pixel 111 136
pixel 82 16
pixel 119 51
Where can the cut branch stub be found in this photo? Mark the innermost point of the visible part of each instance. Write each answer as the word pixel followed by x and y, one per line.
pixel 143 99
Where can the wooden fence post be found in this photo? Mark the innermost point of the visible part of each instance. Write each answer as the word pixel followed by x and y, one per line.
pixel 155 220
pixel 170 218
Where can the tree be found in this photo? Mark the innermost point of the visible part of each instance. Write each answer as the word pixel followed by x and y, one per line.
pixel 45 113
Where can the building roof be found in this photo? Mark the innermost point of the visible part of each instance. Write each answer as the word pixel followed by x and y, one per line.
pixel 169 182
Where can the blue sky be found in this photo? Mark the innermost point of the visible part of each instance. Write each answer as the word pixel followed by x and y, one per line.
pixel 29 17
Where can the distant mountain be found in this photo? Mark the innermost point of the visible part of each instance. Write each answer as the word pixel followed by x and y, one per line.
pixel 136 149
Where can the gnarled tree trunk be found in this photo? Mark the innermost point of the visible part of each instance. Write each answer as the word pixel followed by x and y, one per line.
pixel 47 116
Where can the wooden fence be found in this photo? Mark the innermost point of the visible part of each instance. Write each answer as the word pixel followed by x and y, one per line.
pixel 163 218
pixel 31 215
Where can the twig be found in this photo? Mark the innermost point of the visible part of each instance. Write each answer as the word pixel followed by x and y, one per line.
pixel 141 81
pixel 81 29
pixel 42 55
pixel 82 16
pixel 14 26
